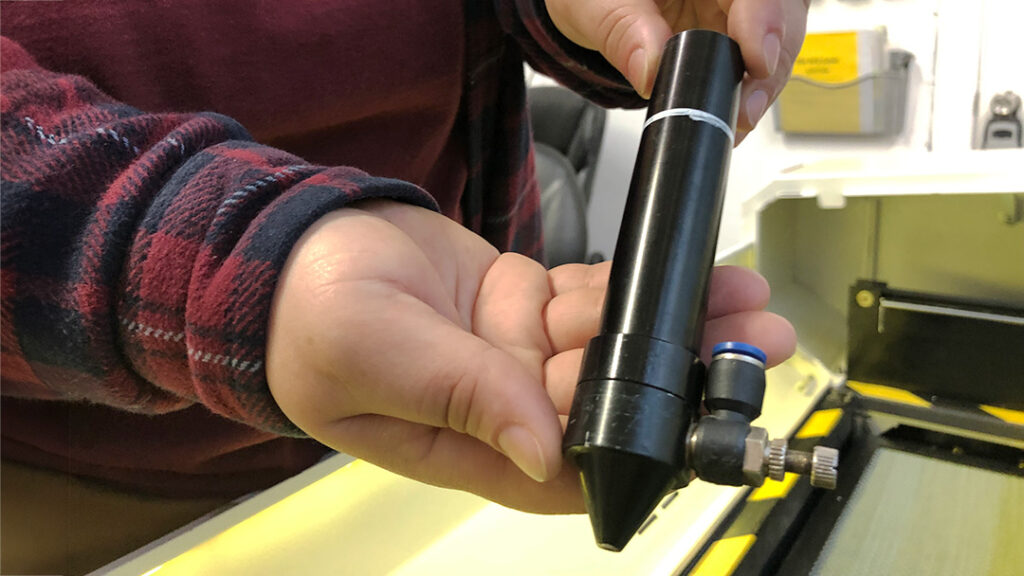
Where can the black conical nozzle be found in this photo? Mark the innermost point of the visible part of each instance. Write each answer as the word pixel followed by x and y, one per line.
pixel 613 483
pixel 641 381
pixel 622 437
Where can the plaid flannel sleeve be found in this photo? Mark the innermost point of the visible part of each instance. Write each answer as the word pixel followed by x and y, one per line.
pixel 140 252
pixel 548 51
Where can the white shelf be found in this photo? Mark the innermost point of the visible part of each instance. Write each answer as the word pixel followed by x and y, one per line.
pixel 906 173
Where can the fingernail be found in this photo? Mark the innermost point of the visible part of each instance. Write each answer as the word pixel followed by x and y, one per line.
pixel 756 104
pixel 522 447
pixel 772 45
pixel 637 69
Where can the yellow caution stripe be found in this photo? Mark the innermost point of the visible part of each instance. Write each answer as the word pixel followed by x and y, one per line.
pixel 724 556
pixel 1005 414
pixel 820 423
pixel 773 489
pixel 888 393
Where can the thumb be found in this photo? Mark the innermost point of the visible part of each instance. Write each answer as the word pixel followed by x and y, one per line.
pixel 631 34
pixel 439 375
pixel 496 399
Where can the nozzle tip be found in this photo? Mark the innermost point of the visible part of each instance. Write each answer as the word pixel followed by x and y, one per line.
pixel 620 490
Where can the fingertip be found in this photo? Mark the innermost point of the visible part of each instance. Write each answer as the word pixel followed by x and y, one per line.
pixel 785 341
pixel 755 107
pixel 772 46
pixel 759 28
pixel 502 404
pixel 538 453
pixel 761 291
pixel 756 97
pixel 636 50
pixel 639 72
pixel 741 135
pixel 524 449
pixel 642 66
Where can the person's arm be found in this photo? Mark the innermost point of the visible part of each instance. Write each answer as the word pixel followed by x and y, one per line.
pixel 141 252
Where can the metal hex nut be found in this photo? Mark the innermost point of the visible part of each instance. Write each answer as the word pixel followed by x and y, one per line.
pixel 755 448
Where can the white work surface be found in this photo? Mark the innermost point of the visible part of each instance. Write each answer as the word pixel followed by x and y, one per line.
pixel 345 517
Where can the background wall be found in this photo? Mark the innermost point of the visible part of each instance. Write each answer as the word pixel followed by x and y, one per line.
pixel 964 52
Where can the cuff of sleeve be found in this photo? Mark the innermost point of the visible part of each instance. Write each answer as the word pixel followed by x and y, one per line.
pixel 231 294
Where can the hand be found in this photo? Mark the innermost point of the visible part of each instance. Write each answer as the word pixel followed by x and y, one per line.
pixel 404 339
pixel 631 34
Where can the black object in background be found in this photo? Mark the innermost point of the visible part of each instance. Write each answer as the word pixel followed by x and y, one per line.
pixel 952 348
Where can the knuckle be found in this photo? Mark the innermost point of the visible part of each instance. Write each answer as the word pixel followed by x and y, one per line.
pixel 598 274
pixel 463 412
pixel 615 30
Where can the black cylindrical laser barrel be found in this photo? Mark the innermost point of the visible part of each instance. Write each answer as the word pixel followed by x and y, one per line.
pixel 641 380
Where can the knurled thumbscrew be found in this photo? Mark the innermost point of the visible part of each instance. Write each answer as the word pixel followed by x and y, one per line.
pixel 821 464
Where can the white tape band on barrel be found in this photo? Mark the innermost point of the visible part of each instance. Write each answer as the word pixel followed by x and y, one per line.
pixel 693 114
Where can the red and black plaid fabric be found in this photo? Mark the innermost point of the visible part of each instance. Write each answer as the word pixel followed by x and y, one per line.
pixel 140 251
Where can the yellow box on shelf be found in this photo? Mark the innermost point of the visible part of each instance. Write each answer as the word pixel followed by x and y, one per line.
pixel 829 57
pixel 834 89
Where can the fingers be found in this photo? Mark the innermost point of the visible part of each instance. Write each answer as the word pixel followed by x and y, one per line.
pixel 446 458
pixel 757 95
pixel 408 362
pixel 561 373
pixel 631 34
pixel 573 316
pixel 736 289
pixel 508 315
pixel 486 393
pixel 769 332
pixel 569 277
pixel 770 35
pixel 508 308
pixel 759 27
